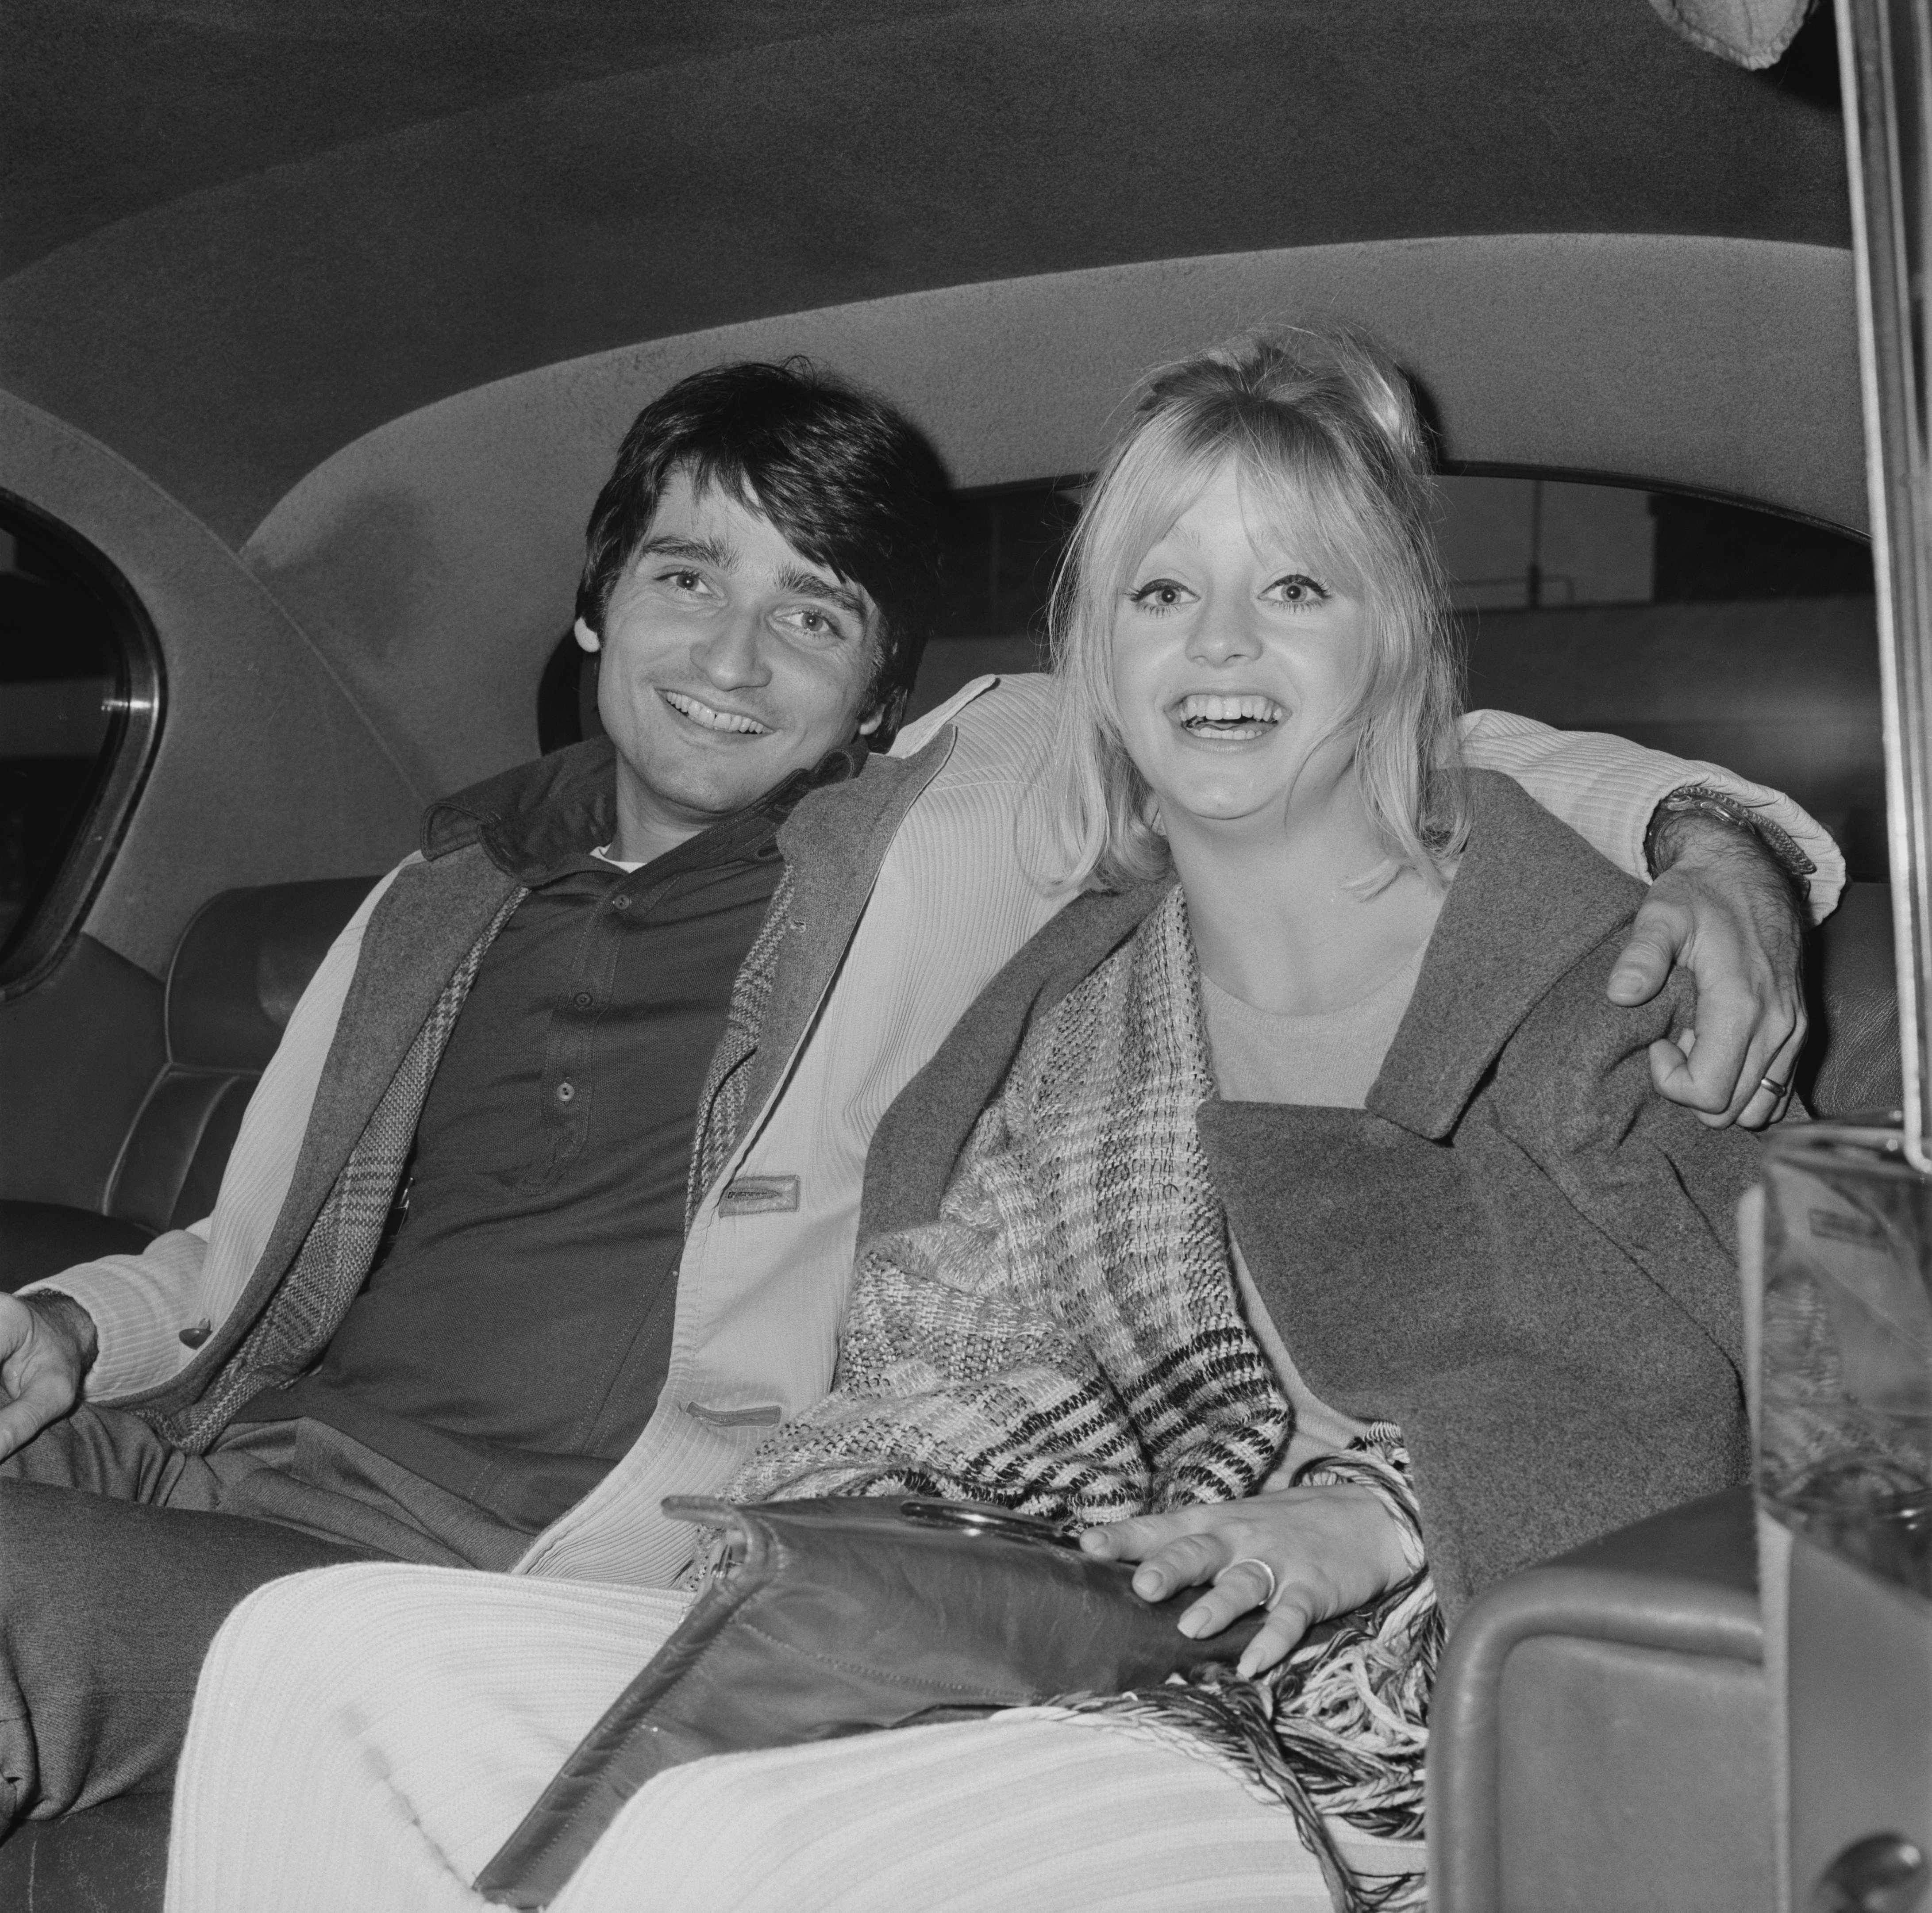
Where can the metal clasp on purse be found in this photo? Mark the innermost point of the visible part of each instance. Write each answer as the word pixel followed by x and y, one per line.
pixel 982 1517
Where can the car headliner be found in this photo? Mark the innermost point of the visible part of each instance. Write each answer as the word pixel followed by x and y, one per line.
pixel 240 233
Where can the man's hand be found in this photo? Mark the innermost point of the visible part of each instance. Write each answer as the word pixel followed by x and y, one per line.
pixel 1304 1553
pixel 47 1343
pixel 1722 907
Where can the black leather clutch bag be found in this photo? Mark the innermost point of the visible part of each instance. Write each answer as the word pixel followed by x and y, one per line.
pixel 838 1616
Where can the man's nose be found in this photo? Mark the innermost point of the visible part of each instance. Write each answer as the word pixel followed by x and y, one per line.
pixel 732 655
pixel 1224 633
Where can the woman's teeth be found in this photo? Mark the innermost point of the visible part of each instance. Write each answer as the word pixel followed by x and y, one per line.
pixel 713 720
pixel 1219 716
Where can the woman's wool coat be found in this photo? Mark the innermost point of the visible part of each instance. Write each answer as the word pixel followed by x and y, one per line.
pixel 1518 1252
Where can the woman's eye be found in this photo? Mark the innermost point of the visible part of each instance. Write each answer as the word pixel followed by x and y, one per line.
pixel 1160 594
pixel 1298 588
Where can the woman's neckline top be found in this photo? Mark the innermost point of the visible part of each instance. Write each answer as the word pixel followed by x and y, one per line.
pixel 1328 1060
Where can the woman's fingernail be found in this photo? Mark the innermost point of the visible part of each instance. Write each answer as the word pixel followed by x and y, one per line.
pixel 1193 1624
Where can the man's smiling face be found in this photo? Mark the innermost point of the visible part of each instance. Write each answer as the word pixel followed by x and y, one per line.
pixel 730 661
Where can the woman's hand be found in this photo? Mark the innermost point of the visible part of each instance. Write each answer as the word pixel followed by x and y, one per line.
pixel 1327 1549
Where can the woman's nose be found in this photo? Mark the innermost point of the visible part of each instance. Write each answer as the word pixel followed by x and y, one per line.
pixel 732 655
pixel 1223 632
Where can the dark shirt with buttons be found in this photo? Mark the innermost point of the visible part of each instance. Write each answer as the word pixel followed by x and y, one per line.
pixel 513 1337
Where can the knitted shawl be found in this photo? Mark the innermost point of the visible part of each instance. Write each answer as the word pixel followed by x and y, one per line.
pixel 1066 1338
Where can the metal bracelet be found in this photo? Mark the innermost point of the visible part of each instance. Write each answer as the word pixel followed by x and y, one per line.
pixel 1704 800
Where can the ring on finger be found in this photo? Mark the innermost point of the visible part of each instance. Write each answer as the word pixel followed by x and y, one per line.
pixel 1253 1561
pixel 1780 1090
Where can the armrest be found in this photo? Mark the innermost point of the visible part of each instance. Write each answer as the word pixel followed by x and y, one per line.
pixel 1599 1738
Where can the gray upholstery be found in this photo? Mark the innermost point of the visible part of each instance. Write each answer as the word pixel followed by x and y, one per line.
pixel 237 971
pixel 239 968
pixel 1600 1739
pixel 1851 1065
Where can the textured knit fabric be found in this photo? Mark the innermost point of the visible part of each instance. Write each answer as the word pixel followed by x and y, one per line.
pixel 1519 1253
pixel 1065 1338
pixel 379 1764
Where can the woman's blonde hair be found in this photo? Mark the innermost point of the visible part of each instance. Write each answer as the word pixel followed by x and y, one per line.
pixel 1323 432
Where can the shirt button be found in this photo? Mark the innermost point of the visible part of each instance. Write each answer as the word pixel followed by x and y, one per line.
pixel 582 1000
pixel 565 1091
pixel 621 901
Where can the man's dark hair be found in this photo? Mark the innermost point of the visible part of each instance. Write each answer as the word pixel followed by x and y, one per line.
pixel 847 482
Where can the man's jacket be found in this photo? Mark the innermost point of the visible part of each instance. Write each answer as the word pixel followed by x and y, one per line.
pixel 907 888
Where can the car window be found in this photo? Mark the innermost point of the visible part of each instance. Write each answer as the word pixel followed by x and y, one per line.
pixel 79 706
pixel 1711 630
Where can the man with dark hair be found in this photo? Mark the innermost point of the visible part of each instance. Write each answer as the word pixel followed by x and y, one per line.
pixel 842 480
pixel 547 1205
pixel 423 1325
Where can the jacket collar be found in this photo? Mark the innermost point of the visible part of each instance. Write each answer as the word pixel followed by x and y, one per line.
pixel 1529 899
pixel 833 843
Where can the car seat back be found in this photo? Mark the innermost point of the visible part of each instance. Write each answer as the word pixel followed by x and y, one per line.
pixel 1851 1064
pixel 238 971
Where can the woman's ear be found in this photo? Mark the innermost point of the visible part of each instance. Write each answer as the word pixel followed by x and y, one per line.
pixel 587 640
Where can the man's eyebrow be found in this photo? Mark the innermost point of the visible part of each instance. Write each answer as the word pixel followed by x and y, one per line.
pixel 809 584
pixel 698 551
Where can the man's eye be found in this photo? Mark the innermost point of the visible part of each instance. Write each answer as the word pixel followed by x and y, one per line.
pixel 682 579
pixel 815 623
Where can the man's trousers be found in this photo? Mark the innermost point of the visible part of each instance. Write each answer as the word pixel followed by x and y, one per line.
pixel 121 1555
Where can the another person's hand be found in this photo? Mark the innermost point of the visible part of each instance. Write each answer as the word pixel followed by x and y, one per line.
pixel 1304 1553
pixel 47 1343
pixel 1722 907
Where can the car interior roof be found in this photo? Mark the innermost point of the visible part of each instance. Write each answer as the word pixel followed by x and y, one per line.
pixel 241 233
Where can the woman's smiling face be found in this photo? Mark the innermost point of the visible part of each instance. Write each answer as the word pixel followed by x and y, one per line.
pixel 1233 660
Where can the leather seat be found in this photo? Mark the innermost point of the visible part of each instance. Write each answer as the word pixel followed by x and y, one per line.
pixel 237 973
pixel 1851 1064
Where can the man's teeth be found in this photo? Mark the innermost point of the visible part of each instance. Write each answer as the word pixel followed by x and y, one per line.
pixel 1200 710
pixel 714 720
